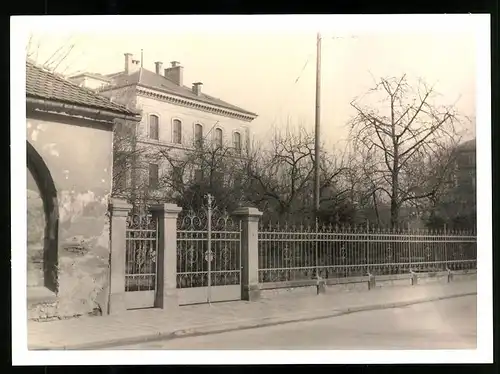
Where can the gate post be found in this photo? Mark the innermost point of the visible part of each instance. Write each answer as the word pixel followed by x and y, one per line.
pixel 119 210
pixel 250 289
pixel 166 296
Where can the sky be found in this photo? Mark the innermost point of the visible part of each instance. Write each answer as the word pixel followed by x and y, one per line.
pixel 272 71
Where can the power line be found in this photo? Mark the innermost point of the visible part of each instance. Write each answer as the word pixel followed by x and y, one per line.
pixel 290 91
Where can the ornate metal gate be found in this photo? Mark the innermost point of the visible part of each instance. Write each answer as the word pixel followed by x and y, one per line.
pixel 140 261
pixel 208 256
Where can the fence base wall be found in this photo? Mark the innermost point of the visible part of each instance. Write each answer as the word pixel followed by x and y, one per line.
pixel 349 284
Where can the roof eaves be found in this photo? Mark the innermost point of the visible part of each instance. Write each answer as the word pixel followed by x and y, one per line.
pixel 67 104
pixel 171 92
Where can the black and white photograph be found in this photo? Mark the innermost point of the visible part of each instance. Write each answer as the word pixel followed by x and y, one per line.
pixel 236 185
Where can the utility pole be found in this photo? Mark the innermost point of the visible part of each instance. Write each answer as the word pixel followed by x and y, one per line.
pixel 142 57
pixel 317 126
pixel 316 154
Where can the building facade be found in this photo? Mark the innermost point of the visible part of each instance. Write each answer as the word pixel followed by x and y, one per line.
pixel 69 140
pixel 175 118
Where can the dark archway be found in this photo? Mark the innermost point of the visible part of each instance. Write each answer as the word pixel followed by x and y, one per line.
pixel 47 188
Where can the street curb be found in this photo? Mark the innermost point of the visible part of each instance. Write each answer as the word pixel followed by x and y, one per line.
pixel 244 325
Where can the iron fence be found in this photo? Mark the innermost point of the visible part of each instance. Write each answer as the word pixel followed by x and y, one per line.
pixel 208 249
pixel 293 253
pixel 141 251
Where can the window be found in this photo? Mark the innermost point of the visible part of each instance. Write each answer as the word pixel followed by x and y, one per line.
pixel 177 177
pixel 177 133
pixel 198 135
pixel 237 142
pixel 153 127
pixel 153 176
pixel 218 137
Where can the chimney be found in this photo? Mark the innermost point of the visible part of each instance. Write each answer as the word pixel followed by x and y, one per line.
pixel 128 62
pixel 158 64
pixel 197 88
pixel 131 65
pixel 174 73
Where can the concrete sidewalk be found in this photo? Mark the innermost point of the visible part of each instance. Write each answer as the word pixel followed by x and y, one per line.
pixel 154 324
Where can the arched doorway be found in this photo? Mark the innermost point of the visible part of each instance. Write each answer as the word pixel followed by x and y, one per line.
pixel 43 220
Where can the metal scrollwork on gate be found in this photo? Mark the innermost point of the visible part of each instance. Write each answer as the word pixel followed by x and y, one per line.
pixel 192 220
pixel 343 254
pixel 225 257
pixel 208 248
pixel 389 254
pixel 428 253
pixel 139 221
pixel 141 252
pixel 191 256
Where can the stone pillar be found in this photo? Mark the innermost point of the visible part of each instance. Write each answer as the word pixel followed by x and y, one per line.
pixel 167 255
pixel 119 210
pixel 250 289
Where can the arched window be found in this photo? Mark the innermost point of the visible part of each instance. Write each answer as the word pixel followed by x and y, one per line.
pixel 218 137
pixel 237 141
pixel 177 131
pixel 153 127
pixel 198 135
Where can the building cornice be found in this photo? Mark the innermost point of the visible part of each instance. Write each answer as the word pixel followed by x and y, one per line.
pixel 177 100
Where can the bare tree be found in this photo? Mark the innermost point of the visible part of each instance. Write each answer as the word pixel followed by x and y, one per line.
pixel 399 139
pixel 52 60
pixel 188 175
pixel 281 176
pixel 129 168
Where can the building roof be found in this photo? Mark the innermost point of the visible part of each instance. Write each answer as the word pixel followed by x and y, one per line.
pixel 46 85
pixel 91 75
pixel 149 79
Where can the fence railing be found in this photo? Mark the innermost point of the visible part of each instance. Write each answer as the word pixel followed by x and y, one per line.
pixel 293 253
pixel 208 249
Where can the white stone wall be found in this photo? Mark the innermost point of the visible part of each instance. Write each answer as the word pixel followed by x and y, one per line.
pixel 168 112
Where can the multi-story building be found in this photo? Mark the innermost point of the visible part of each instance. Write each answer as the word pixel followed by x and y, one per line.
pixel 174 116
pixel 465 166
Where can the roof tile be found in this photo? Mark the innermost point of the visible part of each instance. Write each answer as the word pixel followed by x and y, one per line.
pixel 47 85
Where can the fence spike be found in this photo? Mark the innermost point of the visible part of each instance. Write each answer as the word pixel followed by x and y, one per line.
pixel 301 226
pixel 286 226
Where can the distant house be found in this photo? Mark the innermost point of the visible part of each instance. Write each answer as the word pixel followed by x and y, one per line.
pixel 69 131
pixel 465 165
pixel 174 116
pixel 90 80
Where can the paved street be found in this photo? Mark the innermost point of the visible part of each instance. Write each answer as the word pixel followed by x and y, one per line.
pixel 446 324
